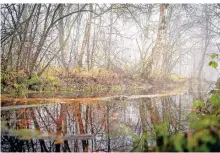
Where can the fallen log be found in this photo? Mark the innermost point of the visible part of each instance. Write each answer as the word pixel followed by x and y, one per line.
pixel 134 97
pixel 84 100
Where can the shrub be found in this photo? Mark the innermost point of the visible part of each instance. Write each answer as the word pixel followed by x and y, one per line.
pixel 35 83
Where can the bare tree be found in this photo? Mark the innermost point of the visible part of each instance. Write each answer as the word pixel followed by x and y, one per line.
pixel 85 39
pixel 159 48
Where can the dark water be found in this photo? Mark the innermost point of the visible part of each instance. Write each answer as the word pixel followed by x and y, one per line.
pixel 117 125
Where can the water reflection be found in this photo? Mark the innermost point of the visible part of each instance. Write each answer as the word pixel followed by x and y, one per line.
pixel 97 126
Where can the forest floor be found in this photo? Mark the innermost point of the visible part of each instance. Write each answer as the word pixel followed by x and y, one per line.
pixel 93 83
pixel 121 81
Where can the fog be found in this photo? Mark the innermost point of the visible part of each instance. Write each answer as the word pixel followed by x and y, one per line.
pixel 115 36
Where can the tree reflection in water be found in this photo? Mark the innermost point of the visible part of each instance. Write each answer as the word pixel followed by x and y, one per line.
pixel 116 125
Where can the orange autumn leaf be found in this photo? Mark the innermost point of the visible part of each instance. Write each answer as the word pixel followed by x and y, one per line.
pixel 59 141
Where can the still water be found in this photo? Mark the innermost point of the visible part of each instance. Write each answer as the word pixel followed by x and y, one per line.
pixel 116 125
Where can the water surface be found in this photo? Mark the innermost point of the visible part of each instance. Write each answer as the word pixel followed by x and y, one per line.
pixel 115 125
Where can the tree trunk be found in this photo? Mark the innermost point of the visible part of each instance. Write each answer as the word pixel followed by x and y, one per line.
pixel 110 41
pixel 143 116
pixel 205 42
pixel 61 39
pixel 59 127
pixel 85 40
pixel 77 114
pixel 88 40
pixel 42 143
pixel 156 64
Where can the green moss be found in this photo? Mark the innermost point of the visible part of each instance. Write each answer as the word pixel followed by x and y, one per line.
pixel 35 83
pixel 34 80
pixel 20 89
pixel 50 82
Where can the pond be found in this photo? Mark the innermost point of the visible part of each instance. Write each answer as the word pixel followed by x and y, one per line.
pixel 115 124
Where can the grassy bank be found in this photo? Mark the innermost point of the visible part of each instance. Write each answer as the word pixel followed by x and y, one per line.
pixel 19 84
